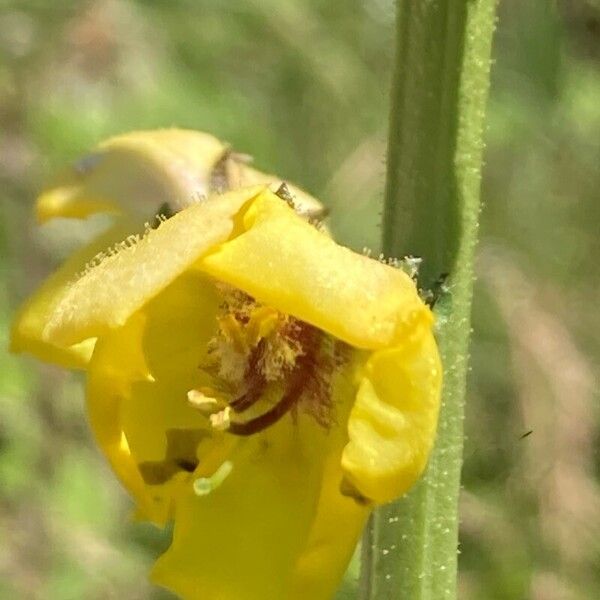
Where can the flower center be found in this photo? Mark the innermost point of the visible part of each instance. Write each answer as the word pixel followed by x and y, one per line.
pixel 265 364
pixel 262 365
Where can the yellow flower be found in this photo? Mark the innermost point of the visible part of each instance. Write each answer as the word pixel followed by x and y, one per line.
pixel 248 378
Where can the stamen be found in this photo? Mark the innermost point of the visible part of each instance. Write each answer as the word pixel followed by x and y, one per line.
pixel 255 381
pixel 269 418
pixel 206 404
pixel 251 397
pixel 263 322
pixel 221 420
pixel 234 332
pixel 303 370
pixel 258 350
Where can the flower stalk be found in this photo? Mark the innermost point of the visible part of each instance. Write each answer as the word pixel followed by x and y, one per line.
pixel 439 95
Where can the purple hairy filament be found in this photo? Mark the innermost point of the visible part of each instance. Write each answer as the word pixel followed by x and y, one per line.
pixel 255 381
pixel 302 372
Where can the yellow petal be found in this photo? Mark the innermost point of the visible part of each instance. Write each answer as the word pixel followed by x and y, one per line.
pixel 245 176
pixel 122 283
pixel 277 524
pixel 28 326
pixel 138 381
pixel 286 263
pixel 334 533
pixel 116 363
pixel 243 539
pixel 135 173
pixel 392 424
pixel 339 520
pixel 181 321
pixel 139 172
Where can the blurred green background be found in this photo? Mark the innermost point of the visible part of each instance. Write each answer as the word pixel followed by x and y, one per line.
pixel 302 85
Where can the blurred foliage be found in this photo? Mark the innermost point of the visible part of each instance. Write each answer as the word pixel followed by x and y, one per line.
pixel 303 87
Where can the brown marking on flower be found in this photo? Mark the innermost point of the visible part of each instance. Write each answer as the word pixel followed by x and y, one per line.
pixel 291 355
pixel 303 371
pixel 180 456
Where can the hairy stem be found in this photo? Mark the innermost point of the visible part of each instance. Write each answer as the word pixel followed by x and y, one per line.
pixel 431 210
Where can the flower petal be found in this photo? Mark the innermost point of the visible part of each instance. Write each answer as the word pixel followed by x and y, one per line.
pixel 138 381
pixel 339 520
pixel 140 172
pixel 28 325
pixel 281 518
pixel 107 295
pixel 135 173
pixel 284 262
pixel 243 539
pixel 392 424
pixel 243 176
pixel 116 363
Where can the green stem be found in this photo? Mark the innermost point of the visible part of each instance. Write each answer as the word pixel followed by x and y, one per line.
pixel 431 210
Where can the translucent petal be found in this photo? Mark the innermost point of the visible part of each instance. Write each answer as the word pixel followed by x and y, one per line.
pixel 392 424
pixel 135 173
pixel 138 381
pixel 116 363
pixel 140 172
pixel 28 325
pixel 107 295
pixel 286 263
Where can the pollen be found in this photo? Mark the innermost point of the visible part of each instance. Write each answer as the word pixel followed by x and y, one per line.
pixel 252 336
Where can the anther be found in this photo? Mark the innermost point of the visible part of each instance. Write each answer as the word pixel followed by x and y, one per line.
pixel 206 404
pixel 221 420
pixel 233 332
